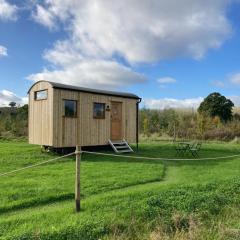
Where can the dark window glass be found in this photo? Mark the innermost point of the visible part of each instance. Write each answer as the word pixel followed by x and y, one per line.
pixel 70 107
pixel 41 95
pixel 99 110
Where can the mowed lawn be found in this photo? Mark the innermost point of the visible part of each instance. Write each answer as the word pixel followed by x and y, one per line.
pixel 121 197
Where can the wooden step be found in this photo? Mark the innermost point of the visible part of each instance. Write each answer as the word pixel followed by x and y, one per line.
pixel 125 151
pixel 119 143
pixel 120 146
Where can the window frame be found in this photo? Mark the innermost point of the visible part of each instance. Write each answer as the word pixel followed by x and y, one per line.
pixel 41 99
pixel 76 105
pixel 104 114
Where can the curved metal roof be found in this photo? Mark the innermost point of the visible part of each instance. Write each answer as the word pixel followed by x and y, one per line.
pixel 88 90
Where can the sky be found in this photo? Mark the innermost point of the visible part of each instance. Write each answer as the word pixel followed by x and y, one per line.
pixel 170 53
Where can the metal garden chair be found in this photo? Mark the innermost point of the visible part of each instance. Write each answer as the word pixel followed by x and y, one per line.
pixel 181 148
pixel 194 150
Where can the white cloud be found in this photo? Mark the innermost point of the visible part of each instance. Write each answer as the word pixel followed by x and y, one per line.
pixel 219 84
pixel 6 97
pixel 140 31
pixel 44 17
pixel 194 103
pixel 92 73
pixel 235 100
pixel 172 103
pixel 166 80
pixel 63 54
pixel 231 80
pixel 7 11
pixel 235 79
pixel 3 51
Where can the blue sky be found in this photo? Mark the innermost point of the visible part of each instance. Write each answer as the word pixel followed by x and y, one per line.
pixel 170 54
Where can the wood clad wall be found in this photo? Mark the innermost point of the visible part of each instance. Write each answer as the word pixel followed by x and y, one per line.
pixel 41 116
pixel 84 129
pixel 64 128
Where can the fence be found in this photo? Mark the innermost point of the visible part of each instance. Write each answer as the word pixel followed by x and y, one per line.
pixel 78 154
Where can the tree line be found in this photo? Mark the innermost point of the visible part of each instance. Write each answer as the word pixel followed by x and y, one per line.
pixel 13 121
pixel 213 120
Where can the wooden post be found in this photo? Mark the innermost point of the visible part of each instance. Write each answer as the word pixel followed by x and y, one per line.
pixel 77 180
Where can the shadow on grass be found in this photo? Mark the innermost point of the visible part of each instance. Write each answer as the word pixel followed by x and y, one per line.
pixel 37 202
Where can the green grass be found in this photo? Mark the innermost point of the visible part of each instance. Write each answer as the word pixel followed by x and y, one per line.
pixel 121 197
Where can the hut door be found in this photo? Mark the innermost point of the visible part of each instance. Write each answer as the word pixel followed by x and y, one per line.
pixel 116 120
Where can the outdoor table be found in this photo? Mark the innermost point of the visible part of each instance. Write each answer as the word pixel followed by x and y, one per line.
pixel 183 147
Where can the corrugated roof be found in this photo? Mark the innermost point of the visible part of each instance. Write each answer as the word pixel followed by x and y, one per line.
pixel 89 90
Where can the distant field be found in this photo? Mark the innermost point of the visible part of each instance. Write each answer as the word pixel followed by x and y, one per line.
pixel 122 198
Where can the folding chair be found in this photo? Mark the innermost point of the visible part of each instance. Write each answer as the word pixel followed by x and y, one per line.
pixel 181 148
pixel 194 150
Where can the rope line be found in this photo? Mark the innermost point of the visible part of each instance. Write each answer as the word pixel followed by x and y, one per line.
pixel 165 159
pixel 35 165
pixel 116 155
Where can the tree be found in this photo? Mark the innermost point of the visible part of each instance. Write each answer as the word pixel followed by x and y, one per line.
pixel 145 127
pixel 217 105
pixel 12 104
pixel 23 111
pixel 154 122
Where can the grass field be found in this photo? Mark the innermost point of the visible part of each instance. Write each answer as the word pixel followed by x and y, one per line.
pixel 121 198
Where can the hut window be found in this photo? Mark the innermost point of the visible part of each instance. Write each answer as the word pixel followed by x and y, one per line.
pixel 40 95
pixel 99 110
pixel 70 108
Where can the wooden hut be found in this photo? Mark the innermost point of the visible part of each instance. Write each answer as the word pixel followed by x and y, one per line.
pixel 63 116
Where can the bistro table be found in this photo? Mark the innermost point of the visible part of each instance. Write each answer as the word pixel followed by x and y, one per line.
pixel 183 147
